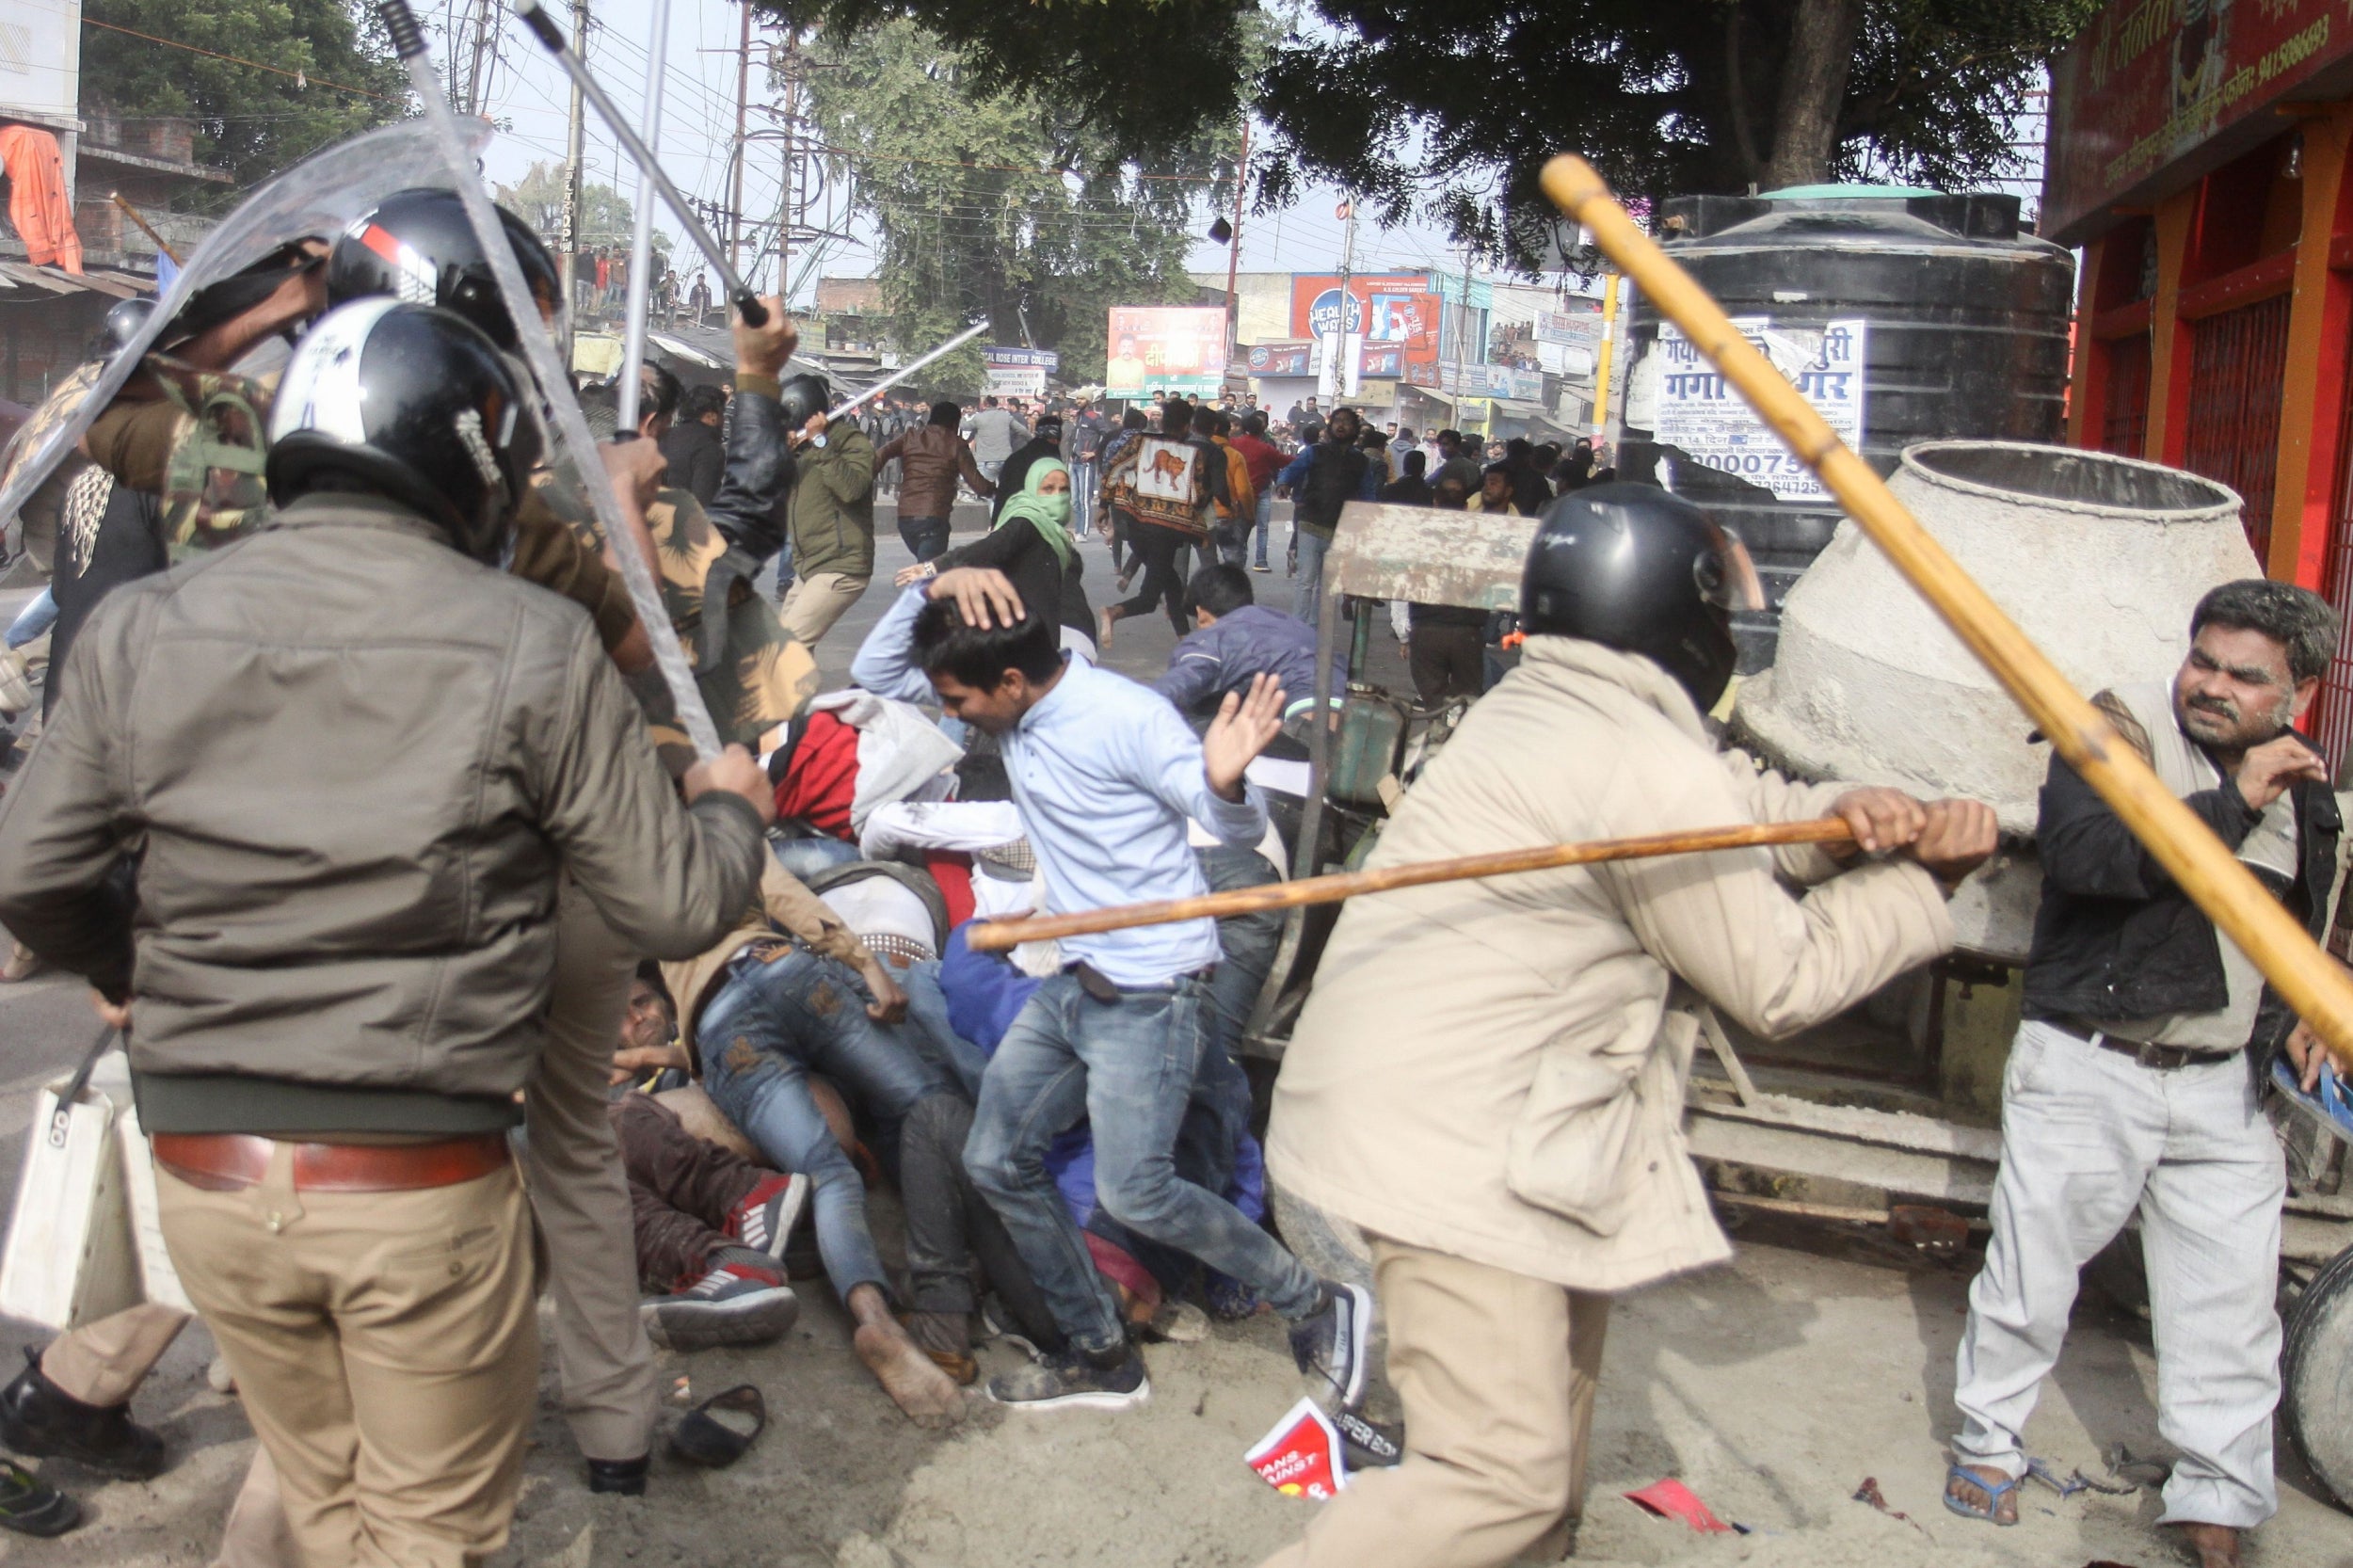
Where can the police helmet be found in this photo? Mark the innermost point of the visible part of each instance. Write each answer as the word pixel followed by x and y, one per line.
pixel 418 246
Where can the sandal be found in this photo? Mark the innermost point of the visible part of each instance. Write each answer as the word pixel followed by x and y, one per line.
pixel 703 1439
pixel 1994 1492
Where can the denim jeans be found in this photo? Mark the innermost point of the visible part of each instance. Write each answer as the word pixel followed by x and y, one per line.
pixel 1266 519
pixel 1307 592
pixel 1128 1067
pixel 926 537
pixel 771 1026
pixel 1082 496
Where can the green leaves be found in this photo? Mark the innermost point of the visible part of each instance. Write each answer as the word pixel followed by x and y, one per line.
pixel 251 122
pixel 1005 202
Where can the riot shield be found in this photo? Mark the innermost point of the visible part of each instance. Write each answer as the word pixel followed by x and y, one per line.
pixel 318 196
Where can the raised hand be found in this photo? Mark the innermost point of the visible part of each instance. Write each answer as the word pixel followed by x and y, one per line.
pixel 1245 722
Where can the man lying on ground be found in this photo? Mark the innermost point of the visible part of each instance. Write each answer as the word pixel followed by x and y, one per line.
pixel 1234 640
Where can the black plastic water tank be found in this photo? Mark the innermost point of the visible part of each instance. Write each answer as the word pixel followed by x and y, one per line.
pixel 1968 337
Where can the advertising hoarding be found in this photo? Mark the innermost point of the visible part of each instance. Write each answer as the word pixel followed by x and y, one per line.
pixel 2147 81
pixel 1699 410
pixel 1019 371
pixel 1153 349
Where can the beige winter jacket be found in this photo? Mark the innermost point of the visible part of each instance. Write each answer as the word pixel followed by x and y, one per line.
pixel 1495 1069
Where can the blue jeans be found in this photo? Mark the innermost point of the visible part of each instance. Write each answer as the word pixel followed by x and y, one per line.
pixel 927 537
pixel 769 1028
pixel 1081 495
pixel 1128 1067
pixel 1266 519
pixel 34 619
pixel 1307 592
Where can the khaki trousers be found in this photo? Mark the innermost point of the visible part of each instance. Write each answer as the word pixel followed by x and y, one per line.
pixel 572 1170
pixel 814 602
pixel 387 1350
pixel 1497 1373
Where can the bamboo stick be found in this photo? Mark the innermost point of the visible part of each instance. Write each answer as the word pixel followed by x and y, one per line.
pixel 2314 985
pixel 996 936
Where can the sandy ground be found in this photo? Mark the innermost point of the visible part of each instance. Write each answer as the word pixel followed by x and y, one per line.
pixel 1771 1387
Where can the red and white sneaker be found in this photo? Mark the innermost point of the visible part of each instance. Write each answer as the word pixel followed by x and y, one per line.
pixel 765 1219
pixel 739 1300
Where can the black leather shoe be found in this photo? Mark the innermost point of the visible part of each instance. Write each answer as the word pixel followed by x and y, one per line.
pixel 39 1417
pixel 624 1477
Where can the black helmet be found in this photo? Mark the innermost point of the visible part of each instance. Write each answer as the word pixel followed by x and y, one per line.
pixel 414 404
pixel 1634 567
pixel 418 246
pixel 124 320
pixel 803 395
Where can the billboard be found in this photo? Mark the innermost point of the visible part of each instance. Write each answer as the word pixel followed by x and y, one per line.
pixel 1391 318
pixel 2148 81
pixel 1019 371
pixel 1163 348
pixel 1291 357
pixel 1699 410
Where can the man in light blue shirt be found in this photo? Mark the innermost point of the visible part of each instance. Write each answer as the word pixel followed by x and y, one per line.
pixel 1106 775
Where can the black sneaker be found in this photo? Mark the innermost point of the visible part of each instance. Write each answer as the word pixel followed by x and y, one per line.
pixel 30 1505
pixel 741 1300
pixel 1329 1343
pixel 39 1417
pixel 1073 1381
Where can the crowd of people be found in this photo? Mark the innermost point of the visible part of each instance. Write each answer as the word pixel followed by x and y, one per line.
pixel 371 817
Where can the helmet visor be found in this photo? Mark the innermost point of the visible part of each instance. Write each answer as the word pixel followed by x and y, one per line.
pixel 1726 577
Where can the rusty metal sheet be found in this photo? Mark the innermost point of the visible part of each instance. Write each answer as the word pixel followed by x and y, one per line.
pixel 1426 556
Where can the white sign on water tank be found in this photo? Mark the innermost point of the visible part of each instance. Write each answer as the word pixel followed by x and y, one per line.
pixel 1700 413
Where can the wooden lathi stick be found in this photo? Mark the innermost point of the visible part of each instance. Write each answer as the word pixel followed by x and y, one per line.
pixel 2315 984
pixel 996 936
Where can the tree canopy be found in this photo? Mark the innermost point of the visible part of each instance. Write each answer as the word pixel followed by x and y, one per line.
pixel 251 122
pixel 1004 203
pixel 1448 106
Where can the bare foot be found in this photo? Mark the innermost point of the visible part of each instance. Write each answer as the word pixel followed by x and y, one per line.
pixel 915 1384
pixel 1960 1490
pixel 2217 1545
pixel 1105 619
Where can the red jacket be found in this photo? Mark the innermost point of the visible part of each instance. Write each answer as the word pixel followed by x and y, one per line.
pixel 1264 460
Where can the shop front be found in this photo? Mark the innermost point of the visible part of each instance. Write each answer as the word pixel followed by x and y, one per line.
pixel 2199 156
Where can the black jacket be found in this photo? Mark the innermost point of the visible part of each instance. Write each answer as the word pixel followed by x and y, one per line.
pixel 696 453
pixel 756 481
pixel 2117 939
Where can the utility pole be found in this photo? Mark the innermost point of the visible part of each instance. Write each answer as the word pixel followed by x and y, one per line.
pixel 787 201
pixel 743 94
pixel 1351 344
pixel 1233 242
pixel 573 153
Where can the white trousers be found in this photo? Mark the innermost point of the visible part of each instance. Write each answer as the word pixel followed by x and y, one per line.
pixel 2088 1136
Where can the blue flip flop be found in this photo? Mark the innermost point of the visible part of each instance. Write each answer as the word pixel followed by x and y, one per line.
pixel 1994 1492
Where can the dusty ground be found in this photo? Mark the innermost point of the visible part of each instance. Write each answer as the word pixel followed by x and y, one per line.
pixel 1771 1387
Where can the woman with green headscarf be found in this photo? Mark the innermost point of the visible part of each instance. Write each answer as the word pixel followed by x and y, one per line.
pixel 1031 544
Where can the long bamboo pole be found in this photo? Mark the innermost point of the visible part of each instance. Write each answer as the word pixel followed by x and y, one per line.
pixel 2313 983
pixel 996 936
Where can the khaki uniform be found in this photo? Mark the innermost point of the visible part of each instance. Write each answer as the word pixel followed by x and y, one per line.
pixel 1489 1075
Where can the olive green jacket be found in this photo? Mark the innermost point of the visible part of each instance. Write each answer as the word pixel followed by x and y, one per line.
pixel 831 514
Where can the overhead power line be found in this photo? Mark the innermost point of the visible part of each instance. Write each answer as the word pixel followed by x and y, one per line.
pixel 302 77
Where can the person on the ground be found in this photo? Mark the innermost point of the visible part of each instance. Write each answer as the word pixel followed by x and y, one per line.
pixel 1106 775
pixel 1030 542
pixel 1233 641
pixel 1320 480
pixel 2130 1086
pixel 792 992
pixel 346 996
pixel 1489 1076
pixel 692 445
pixel 1265 461
pixel 1166 522
pixel 1409 489
pixel 831 520
pixel 932 456
pixel 995 431
pixel 1044 444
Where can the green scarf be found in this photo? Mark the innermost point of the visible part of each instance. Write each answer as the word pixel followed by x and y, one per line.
pixel 1048 514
